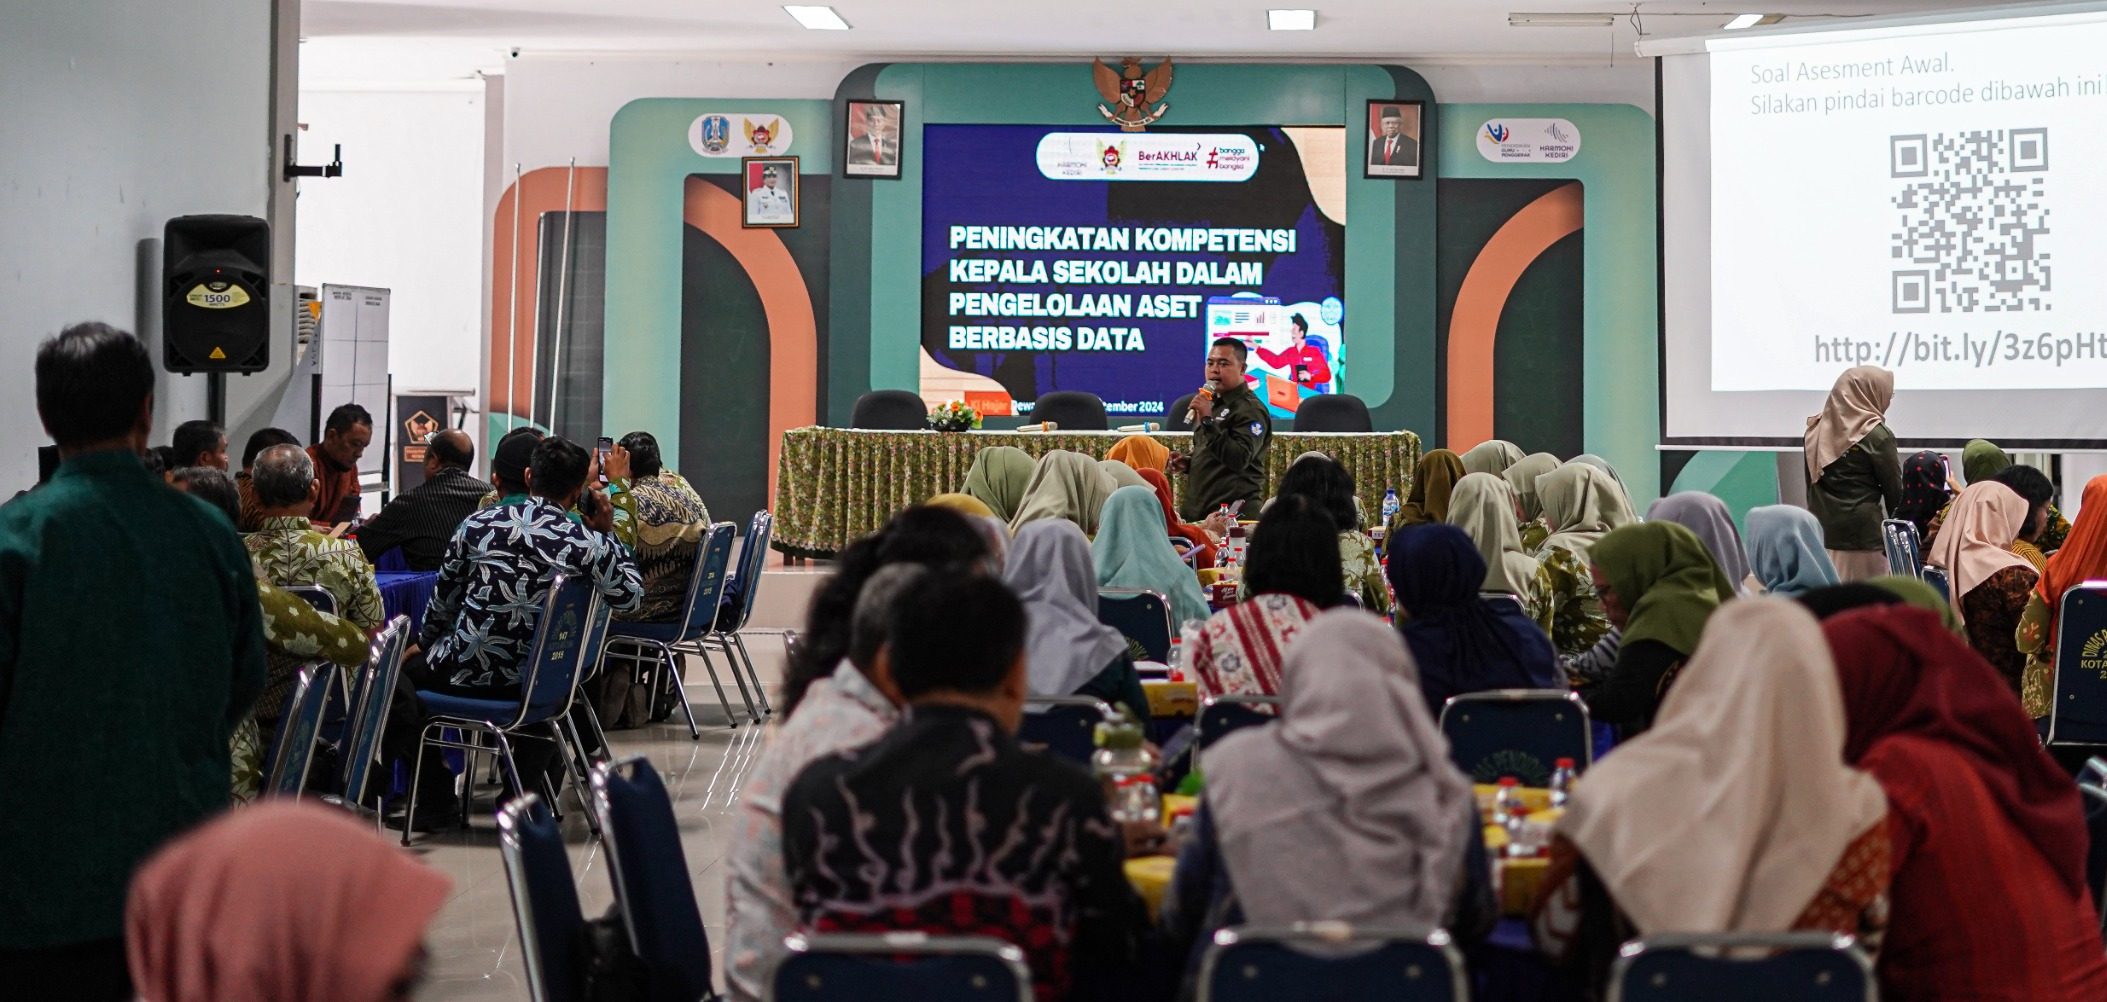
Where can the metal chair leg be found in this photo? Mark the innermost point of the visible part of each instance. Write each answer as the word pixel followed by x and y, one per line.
pixel 409 813
pixel 759 692
pixel 732 659
pixel 573 751
pixel 731 719
pixel 670 659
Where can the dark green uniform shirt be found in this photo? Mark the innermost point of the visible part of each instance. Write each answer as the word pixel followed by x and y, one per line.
pixel 130 646
pixel 1857 491
pixel 1229 455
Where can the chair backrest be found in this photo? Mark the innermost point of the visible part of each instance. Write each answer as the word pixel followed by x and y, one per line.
pixel 369 706
pixel 1066 725
pixel 1905 552
pixel 314 595
pixel 294 748
pixel 753 553
pixel 653 887
pixel 1803 966
pixel 1174 419
pixel 1937 579
pixel 1314 961
pixel 1503 599
pixel 1333 412
pixel 2095 799
pixel 1073 410
pixel 1517 732
pixel 563 639
pixel 544 900
pixel 1144 617
pixel 706 584
pixel 2078 706
pixel 900 967
pixel 889 410
pixel 1224 715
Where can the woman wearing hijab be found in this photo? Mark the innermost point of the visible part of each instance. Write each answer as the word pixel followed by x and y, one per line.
pixel 2046 527
pixel 1432 481
pixel 1140 452
pixel 1658 587
pixel 1581 504
pixel 1982 459
pixel 1492 457
pixel 1067 651
pixel 1590 459
pixel 1853 474
pixel 1325 481
pixel 998 477
pixel 1989 582
pixel 1785 551
pixel 1133 551
pixel 1734 814
pixel 1522 477
pixel 1483 507
pixel 1925 490
pixel 1707 518
pixel 1292 574
pixel 1888 589
pixel 285 901
pixel 1122 475
pixel 1065 485
pixel 1462 641
pixel 1988 835
pixel 2083 558
pixel 1198 536
pixel 1346 808
pixel 964 504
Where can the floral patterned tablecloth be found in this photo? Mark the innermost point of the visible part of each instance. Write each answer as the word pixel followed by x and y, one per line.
pixel 837 484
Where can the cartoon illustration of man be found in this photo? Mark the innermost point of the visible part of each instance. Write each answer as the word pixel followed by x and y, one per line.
pixel 1312 371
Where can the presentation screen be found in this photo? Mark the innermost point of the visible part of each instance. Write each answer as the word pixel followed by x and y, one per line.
pixel 1058 258
pixel 1930 198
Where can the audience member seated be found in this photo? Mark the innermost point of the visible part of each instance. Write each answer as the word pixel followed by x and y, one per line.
pixel 199 443
pixel 1432 481
pixel 159 460
pixel 488 601
pixel 1658 586
pixel 1069 652
pixel 1323 480
pixel 1522 476
pixel 422 520
pixel 1133 551
pixel 1483 506
pixel 1853 474
pixel 1581 505
pixel 1122 475
pixel 282 902
pixel 1590 459
pixel 508 467
pixel 1142 453
pixel 1786 555
pixel 293 631
pixel 257 443
pixel 2039 492
pixel 1200 537
pixel 998 477
pixel 1735 814
pixel 980 837
pixel 1988 581
pixel 344 439
pixel 212 486
pixel 1067 486
pixel 1462 641
pixel 133 646
pixel 1989 839
pixel 1292 574
pixel 1983 461
pixel 1346 808
pixel 668 521
pixel 1926 490
pixel 2082 558
pixel 1493 457
pixel 1709 519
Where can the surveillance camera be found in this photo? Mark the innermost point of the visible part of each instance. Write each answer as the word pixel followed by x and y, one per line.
pixel 515 52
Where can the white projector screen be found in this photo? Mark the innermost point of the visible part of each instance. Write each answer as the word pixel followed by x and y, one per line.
pixel 1930 198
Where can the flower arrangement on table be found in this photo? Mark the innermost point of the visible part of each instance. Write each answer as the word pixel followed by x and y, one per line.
pixel 953 416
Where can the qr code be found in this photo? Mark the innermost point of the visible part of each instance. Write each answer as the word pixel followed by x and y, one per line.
pixel 1974 219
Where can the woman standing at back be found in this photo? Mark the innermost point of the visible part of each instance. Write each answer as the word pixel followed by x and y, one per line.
pixel 1854 475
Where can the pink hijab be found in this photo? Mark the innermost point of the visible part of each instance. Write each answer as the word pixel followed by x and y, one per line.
pixel 280 902
pixel 1856 405
pixel 1975 541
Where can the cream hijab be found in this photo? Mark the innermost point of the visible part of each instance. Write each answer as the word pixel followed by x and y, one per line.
pixel 1975 540
pixel 1483 507
pixel 1346 807
pixel 1492 457
pixel 1856 405
pixel 1582 503
pixel 1522 477
pixel 1731 813
pixel 1065 485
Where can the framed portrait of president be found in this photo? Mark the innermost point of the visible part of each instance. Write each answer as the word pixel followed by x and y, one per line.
pixel 871 142
pixel 1394 139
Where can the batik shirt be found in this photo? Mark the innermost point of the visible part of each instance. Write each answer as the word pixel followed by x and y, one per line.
pixel 1577 619
pixel 495 579
pixel 946 826
pixel 669 522
pixel 289 552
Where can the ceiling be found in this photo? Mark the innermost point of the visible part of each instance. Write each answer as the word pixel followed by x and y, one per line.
pixel 458 37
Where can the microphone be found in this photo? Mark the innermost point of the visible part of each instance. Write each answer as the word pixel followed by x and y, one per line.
pixel 1206 393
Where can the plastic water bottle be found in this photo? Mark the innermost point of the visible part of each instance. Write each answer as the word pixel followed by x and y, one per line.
pixel 1561 782
pixel 1126 767
pixel 1390 505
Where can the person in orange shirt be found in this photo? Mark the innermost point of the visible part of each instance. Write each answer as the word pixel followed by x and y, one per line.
pixel 345 437
pixel 1311 370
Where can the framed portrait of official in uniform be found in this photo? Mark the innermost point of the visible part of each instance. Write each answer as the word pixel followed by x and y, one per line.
pixel 1395 139
pixel 871 142
pixel 768 193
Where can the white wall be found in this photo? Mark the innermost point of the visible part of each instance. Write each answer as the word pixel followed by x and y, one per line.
pixel 117 115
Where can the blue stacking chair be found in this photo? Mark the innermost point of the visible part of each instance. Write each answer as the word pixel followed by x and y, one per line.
pixel 285 775
pixel 1802 966
pixel 2077 715
pixel 1905 551
pixel 746 586
pixel 371 689
pixel 1517 732
pixel 1313 961
pixel 1143 617
pixel 1936 577
pixel 1066 725
pixel 1223 715
pixel 653 888
pixel 544 899
pixel 2095 799
pixel 567 637
pixel 664 642
pixel 900 967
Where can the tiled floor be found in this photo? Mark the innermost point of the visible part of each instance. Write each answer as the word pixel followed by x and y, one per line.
pixel 474 948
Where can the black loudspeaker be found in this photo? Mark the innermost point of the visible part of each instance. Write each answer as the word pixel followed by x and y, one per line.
pixel 216 294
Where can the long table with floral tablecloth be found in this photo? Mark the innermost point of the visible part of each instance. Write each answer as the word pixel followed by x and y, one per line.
pixel 838 484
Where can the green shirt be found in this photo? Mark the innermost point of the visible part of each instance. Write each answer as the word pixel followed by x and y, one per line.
pixel 1857 491
pixel 1229 455
pixel 130 647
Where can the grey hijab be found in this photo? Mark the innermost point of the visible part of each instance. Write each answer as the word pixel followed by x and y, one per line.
pixel 1709 519
pixel 1050 568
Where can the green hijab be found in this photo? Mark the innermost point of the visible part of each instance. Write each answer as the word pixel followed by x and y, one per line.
pixel 1133 550
pixel 1914 592
pixel 1522 477
pixel 998 477
pixel 1432 482
pixel 1582 503
pixel 1666 577
pixel 1492 457
pixel 1066 485
pixel 1982 460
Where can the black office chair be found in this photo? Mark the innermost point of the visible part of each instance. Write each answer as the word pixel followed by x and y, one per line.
pixel 1333 412
pixel 1174 419
pixel 1072 410
pixel 889 410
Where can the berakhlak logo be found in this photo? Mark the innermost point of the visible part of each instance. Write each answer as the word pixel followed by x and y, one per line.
pixel 1496 132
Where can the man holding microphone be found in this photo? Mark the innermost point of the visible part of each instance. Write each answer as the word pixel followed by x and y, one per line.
pixel 1231 431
